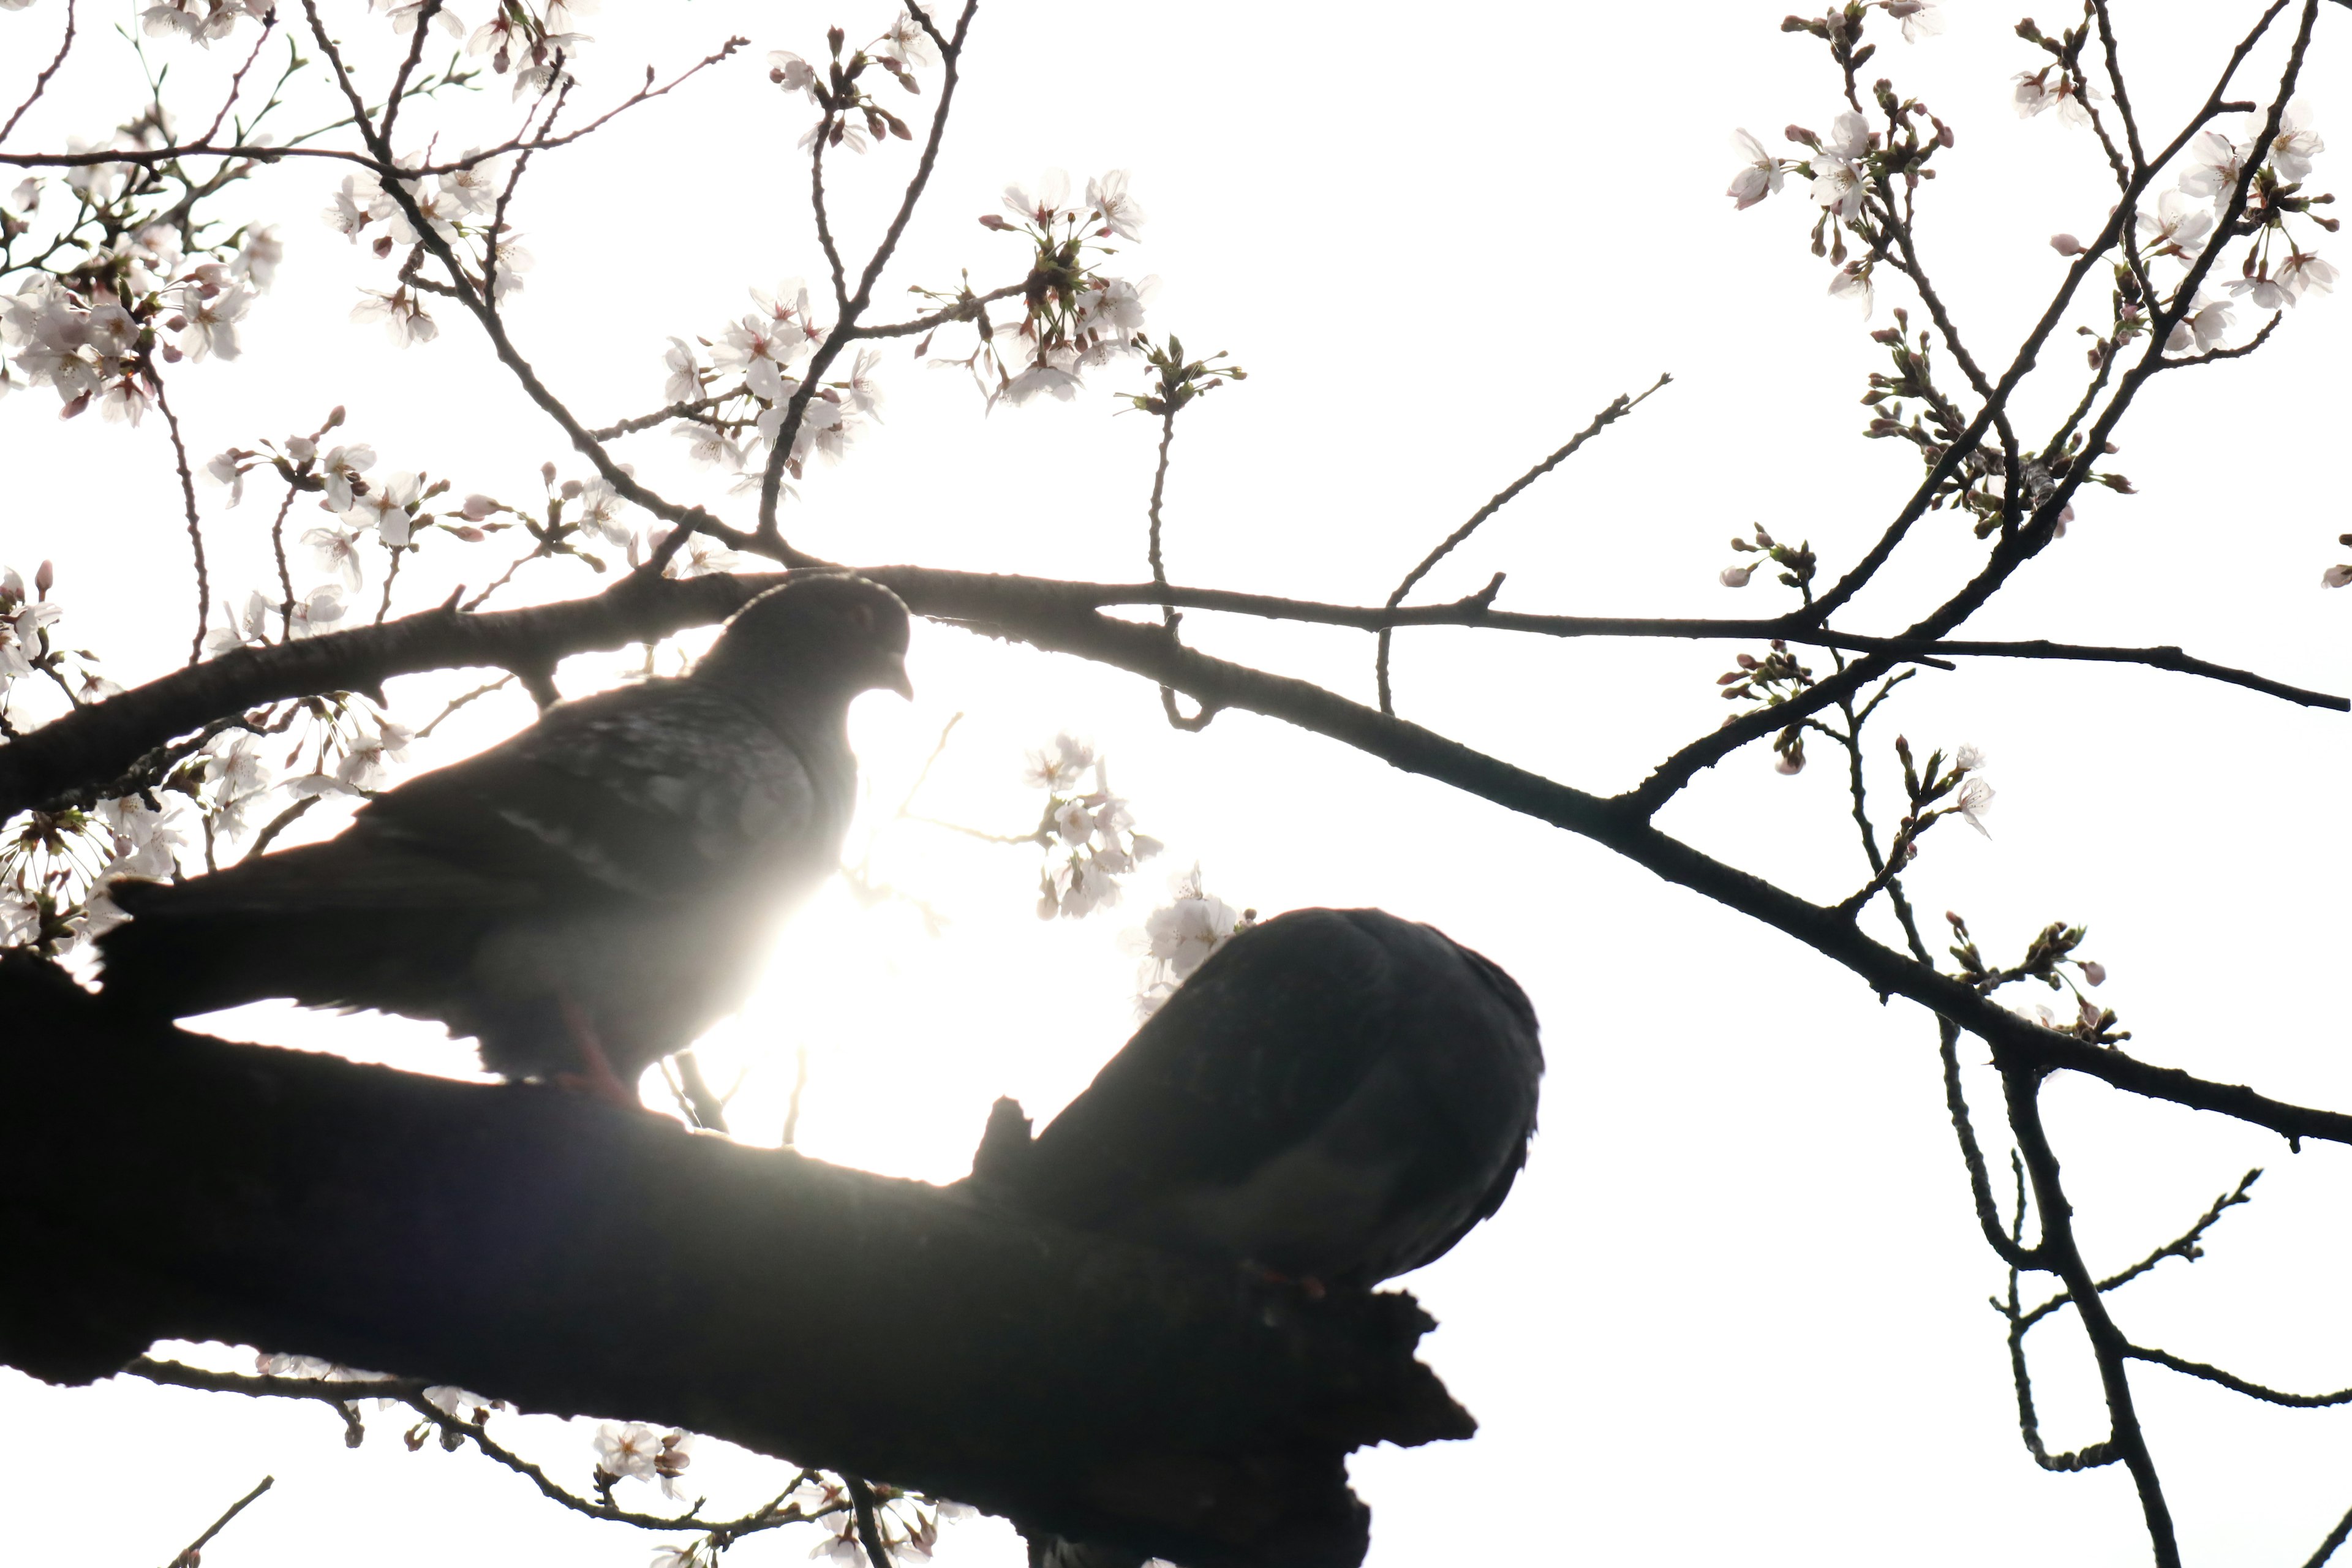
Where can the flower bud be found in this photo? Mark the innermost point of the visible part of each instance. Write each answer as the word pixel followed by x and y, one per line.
pixel 1735 576
pixel 2095 971
pixel 2065 244
pixel 547 473
pixel 45 575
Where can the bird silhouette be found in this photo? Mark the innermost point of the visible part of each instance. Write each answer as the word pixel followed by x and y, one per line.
pixel 582 898
pixel 1335 1098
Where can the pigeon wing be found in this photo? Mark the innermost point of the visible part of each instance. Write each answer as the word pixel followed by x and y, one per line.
pixel 660 790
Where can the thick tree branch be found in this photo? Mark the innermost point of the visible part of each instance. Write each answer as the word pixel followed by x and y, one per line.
pixel 576 1258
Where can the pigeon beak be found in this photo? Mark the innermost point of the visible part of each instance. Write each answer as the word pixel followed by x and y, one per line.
pixel 894 677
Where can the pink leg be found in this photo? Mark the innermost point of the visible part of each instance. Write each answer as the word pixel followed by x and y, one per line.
pixel 597 1077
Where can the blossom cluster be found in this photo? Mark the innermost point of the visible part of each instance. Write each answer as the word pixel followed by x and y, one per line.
pixel 647 1453
pixel 849 115
pixel 736 408
pixel 1074 318
pixel 1089 835
pixel 456 206
pixel 2277 272
pixel 1180 936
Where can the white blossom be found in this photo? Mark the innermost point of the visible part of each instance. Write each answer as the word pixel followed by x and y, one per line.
pixel 1920 18
pixel 337 550
pixel 224 470
pixel 212 324
pixel 909 42
pixel 385 508
pixel 1851 281
pixel 865 391
pixel 2215 164
pixel 2202 329
pixel 1838 178
pixel 1760 172
pixel 369 761
pixel 710 446
pixel 1973 801
pixel 2303 271
pixel 1120 214
pixel 2037 90
pixel 2175 228
pixel 2296 143
pixel 792 73
pixel 1059 766
pixel 316 611
pixel 341 469
pixel 1047 204
pixel 600 512
pixel 401 313
pixel 258 258
pixel 685 382
pixel 241 627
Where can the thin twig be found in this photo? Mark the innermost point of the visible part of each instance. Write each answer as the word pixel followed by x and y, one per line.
pixel 1617 409
pixel 196 529
pixel 41 82
pixel 189 1553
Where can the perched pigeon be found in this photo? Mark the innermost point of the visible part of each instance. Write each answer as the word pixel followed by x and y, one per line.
pixel 582 898
pixel 1336 1097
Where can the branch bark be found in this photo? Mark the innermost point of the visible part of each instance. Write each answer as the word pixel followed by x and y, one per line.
pixel 579 1259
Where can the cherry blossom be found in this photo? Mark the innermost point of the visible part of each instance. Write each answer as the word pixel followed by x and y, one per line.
pixel 794 74
pixel 710 446
pixel 1120 214
pixel 246 627
pixel 865 391
pixel 212 324
pixel 1180 936
pixel 647 1453
pixel 228 469
pixel 316 611
pixel 385 508
pixel 1760 172
pixel 337 551
pixel 2037 90
pixel 1838 179
pixel 2215 165
pixel 908 41
pixel 2175 229
pixel 2296 143
pixel 1851 281
pixel 1735 576
pixel 258 258
pixel 341 469
pixel 2202 329
pixel 685 382
pixel 1973 801
pixel 401 313
pixel 2303 270
pixel 1059 766
pixel 600 512
pixel 1920 18
pixel 369 761
pixel 1049 205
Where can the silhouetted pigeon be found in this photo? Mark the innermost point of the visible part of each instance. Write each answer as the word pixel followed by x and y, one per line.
pixel 1337 1096
pixel 602 885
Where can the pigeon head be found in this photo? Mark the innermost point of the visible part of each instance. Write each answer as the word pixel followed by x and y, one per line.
pixel 815 639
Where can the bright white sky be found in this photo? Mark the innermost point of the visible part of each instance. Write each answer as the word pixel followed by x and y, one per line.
pixel 1736 1307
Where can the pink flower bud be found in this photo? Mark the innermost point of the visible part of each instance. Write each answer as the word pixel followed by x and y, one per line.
pixel 547 473
pixel 1790 763
pixel 2336 577
pixel 2095 971
pixel 2065 244
pixel 477 508
pixel 1735 576
pixel 45 575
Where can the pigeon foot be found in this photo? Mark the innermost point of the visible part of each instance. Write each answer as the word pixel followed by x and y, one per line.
pixel 598 1079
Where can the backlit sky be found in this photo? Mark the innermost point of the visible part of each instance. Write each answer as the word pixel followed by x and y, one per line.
pixel 1735 1309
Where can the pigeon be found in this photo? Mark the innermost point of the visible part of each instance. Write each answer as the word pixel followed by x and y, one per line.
pixel 584 899
pixel 1336 1097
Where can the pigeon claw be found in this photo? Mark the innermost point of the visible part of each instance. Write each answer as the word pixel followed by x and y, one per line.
pixel 597 1076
